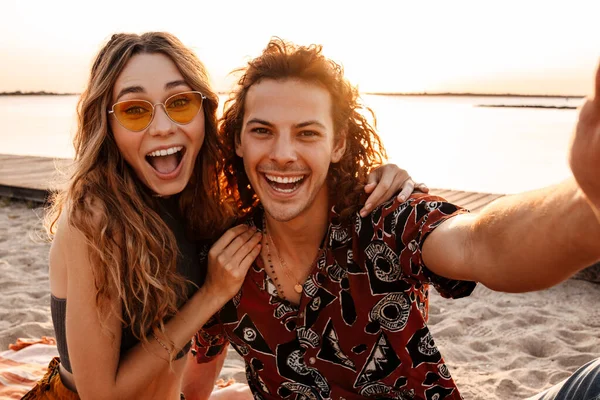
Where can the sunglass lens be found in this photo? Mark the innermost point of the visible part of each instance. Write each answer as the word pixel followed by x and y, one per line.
pixel 134 115
pixel 183 107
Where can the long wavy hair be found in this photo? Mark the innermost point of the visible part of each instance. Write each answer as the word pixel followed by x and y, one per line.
pixel 133 252
pixel 282 60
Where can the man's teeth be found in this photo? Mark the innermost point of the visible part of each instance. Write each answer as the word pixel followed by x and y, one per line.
pixel 165 152
pixel 284 179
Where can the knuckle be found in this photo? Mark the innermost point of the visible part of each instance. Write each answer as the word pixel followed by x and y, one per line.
pixel 222 260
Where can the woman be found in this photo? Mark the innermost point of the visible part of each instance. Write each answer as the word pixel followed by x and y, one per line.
pixel 127 292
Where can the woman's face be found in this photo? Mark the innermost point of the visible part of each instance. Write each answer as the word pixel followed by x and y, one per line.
pixel 164 153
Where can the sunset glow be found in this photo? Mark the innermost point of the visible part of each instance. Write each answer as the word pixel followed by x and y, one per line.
pixel 534 47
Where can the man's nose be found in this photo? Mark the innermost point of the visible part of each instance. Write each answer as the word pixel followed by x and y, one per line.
pixel 283 150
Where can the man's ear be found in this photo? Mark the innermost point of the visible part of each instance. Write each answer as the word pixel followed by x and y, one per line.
pixel 339 147
pixel 238 146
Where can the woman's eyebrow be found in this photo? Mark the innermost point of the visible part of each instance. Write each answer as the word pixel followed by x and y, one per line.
pixel 130 89
pixel 176 83
pixel 139 89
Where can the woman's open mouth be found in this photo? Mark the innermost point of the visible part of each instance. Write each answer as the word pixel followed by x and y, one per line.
pixel 166 161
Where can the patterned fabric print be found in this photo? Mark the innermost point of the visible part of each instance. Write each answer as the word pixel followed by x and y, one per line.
pixel 360 329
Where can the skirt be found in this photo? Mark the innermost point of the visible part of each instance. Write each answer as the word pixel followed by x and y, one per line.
pixel 51 387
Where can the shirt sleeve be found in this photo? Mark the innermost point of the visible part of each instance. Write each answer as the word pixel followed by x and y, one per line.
pixel 420 215
pixel 209 341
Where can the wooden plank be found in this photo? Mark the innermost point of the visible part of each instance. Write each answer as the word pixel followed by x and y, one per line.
pixel 467 198
pixel 440 192
pixel 28 177
pixel 482 202
pixel 470 200
pixel 456 195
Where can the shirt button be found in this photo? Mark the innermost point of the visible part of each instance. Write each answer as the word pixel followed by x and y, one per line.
pixel 301 315
pixel 312 361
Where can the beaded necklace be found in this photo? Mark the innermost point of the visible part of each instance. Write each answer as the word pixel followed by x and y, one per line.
pixel 283 265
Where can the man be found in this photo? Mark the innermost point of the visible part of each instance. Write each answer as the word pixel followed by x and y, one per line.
pixel 336 305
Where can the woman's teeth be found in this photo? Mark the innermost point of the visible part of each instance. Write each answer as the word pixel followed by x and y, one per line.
pixel 165 152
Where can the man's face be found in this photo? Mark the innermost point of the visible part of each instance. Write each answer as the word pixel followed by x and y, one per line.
pixel 287 144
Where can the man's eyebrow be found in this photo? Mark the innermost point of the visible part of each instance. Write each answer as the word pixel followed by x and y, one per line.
pixel 259 121
pixel 308 123
pixel 300 125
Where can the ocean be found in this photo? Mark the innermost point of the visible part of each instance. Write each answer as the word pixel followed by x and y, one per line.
pixel 447 142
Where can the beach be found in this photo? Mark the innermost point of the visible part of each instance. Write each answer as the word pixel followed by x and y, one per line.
pixel 497 345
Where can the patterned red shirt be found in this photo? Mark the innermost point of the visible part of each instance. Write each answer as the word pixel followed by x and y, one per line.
pixel 360 329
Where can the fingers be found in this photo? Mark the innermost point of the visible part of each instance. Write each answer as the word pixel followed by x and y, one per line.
pixel 377 195
pixel 422 187
pixel 370 186
pixel 372 179
pixel 407 188
pixel 235 245
pixel 249 258
pixel 227 238
pixel 239 247
pixel 374 176
pixel 384 191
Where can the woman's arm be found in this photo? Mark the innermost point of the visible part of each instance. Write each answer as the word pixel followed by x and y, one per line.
pixel 94 349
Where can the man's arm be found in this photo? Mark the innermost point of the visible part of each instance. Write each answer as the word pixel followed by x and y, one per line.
pixel 518 243
pixel 533 240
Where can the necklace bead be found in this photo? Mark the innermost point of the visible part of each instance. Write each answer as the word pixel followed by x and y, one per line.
pixel 298 288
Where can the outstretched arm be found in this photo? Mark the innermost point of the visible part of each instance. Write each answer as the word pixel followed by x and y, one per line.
pixel 518 243
pixel 533 240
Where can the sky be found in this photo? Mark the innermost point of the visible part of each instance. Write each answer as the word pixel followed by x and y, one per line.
pixel 485 46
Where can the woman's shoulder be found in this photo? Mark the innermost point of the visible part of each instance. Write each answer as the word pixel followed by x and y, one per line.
pixel 75 223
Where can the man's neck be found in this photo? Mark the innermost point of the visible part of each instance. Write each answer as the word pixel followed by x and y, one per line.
pixel 300 238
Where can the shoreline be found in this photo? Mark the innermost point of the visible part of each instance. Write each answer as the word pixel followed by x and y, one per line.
pixel 41 93
pixel 526 106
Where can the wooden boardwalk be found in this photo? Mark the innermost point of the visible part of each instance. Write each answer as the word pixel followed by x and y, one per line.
pixel 31 178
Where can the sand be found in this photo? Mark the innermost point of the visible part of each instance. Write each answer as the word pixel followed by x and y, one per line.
pixel 497 345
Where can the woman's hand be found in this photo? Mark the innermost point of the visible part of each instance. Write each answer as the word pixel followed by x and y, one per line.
pixel 386 180
pixel 229 259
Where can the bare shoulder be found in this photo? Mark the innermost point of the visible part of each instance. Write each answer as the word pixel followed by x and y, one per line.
pixel 70 247
pixel 67 235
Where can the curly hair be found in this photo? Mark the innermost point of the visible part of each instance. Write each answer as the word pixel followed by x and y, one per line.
pixel 282 60
pixel 133 252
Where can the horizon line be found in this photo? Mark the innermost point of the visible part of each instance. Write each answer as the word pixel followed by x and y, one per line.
pixel 376 93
